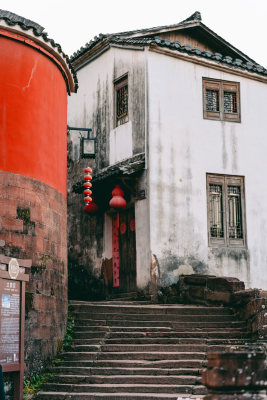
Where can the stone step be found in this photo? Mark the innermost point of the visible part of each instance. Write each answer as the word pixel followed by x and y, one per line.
pixel 138 340
pixel 94 335
pixel 140 348
pixel 127 350
pixel 160 324
pixel 154 364
pixel 133 355
pixel 154 348
pixel 114 388
pixel 152 329
pixel 152 317
pixel 75 370
pixel 115 396
pixel 159 340
pixel 127 379
pixel 150 309
pixel 92 328
pixel 167 333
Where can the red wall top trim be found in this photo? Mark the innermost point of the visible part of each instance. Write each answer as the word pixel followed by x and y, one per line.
pixel 27 41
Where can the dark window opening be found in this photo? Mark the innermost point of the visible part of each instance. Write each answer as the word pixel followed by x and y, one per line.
pixel 230 105
pixel 216 211
pixel 221 100
pixel 234 212
pixel 121 100
pixel 212 100
pixel 226 210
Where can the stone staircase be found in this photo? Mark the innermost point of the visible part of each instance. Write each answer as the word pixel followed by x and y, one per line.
pixel 134 350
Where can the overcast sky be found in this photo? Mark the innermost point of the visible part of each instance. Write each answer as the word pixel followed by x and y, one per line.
pixel 72 23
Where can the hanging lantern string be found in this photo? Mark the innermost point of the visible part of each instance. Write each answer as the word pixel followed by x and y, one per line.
pixel 87 185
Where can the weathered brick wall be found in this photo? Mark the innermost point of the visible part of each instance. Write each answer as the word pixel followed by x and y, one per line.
pixel 33 225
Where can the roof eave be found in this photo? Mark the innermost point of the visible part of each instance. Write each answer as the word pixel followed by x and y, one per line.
pixel 225 43
pixel 188 25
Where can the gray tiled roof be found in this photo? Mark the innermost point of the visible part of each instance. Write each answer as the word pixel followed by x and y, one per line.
pixel 223 59
pixel 176 46
pixel 13 19
pixel 132 38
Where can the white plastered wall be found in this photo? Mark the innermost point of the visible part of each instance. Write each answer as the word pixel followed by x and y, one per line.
pixel 96 88
pixel 183 147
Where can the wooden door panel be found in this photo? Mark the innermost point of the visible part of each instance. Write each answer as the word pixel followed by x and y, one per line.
pixel 127 251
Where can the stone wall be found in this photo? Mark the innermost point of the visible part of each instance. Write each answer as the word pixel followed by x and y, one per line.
pixel 235 376
pixel 249 304
pixel 33 225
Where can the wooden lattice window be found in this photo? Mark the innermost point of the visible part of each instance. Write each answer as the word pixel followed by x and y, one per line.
pixel 121 100
pixel 221 100
pixel 226 210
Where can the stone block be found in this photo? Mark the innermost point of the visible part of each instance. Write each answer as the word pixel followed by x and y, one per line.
pixel 234 371
pixel 13 192
pixel 36 213
pixel 16 240
pixel 45 318
pixel 259 322
pixel 42 302
pixel 197 292
pixel 8 208
pixel 252 308
pixel 11 224
pixel 263 294
pixel 225 284
pixel 245 296
pixel 218 297
pixel 197 279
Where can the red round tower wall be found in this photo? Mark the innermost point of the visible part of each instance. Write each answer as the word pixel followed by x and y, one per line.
pixel 33 117
pixel 33 170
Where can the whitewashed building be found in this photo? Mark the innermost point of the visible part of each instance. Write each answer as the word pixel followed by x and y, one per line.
pixel 180 122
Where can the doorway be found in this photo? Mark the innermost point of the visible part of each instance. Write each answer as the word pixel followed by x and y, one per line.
pixel 124 251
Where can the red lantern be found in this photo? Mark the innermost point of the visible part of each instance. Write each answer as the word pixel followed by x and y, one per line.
pixel 117 200
pixel 88 170
pixel 91 208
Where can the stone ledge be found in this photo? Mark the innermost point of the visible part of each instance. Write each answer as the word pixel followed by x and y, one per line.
pixel 250 305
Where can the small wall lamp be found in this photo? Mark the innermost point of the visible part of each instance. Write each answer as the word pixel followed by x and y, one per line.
pixel 88 144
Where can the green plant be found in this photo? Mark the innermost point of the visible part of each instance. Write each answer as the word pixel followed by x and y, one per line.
pixel 33 384
pixel 68 336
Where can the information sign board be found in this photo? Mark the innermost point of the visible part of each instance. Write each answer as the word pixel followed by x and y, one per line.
pixel 9 322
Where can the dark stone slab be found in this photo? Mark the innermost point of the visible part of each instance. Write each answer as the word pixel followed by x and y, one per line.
pixel 225 284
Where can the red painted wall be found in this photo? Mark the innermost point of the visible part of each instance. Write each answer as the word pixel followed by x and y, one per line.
pixel 33 115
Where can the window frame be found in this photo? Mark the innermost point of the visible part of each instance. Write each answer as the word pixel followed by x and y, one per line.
pixel 225 181
pixel 118 84
pixel 221 86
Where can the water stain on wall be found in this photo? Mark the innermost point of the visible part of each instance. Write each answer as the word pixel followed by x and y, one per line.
pixel 171 266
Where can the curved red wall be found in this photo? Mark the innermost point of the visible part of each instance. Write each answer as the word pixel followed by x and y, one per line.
pixel 33 115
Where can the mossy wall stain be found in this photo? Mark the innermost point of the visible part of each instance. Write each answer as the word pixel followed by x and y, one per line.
pixel 25 215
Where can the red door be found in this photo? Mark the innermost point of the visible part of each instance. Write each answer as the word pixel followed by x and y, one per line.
pixel 124 251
